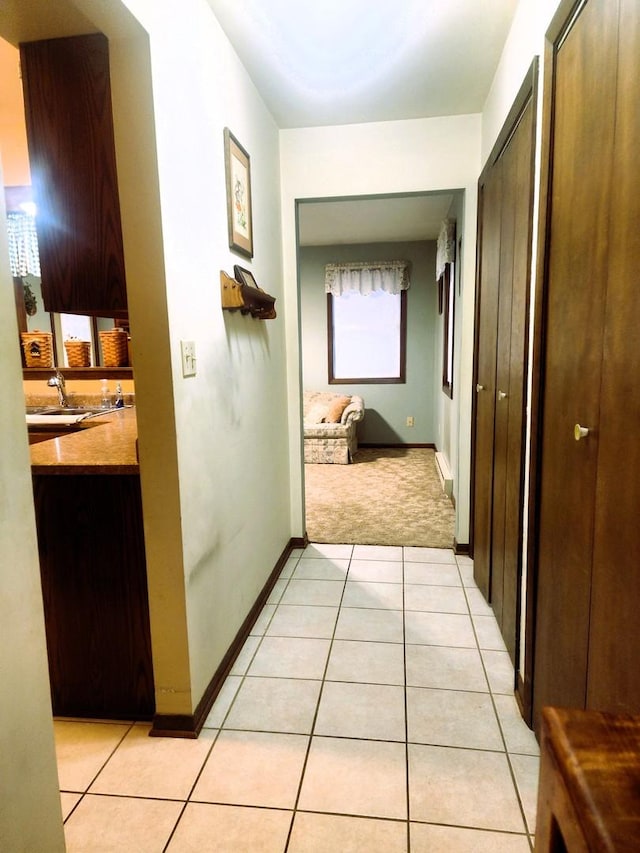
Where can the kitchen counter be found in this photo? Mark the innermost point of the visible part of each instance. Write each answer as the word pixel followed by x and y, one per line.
pixel 93 568
pixel 104 444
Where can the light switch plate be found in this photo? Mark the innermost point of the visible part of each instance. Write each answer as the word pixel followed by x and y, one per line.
pixel 188 350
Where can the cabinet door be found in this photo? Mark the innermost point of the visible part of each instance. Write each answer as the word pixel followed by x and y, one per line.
pixel 614 646
pixel 94 587
pixel 72 157
pixel 578 257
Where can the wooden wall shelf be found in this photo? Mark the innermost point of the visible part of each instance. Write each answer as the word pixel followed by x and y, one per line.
pixel 239 296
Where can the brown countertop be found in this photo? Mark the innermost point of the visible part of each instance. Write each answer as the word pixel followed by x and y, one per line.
pixel 106 444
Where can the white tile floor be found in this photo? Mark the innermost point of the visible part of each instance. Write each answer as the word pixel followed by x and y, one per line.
pixel 371 711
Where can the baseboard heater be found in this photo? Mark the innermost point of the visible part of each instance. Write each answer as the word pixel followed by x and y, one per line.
pixel 444 472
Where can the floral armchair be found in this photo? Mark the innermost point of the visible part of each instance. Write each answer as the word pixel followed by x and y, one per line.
pixel 330 426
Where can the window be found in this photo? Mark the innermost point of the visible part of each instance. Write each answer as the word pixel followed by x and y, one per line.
pixel 367 337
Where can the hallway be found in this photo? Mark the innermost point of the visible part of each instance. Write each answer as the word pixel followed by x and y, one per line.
pixel 371 709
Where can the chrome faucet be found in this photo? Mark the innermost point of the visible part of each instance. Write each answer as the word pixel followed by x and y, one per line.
pixel 57 381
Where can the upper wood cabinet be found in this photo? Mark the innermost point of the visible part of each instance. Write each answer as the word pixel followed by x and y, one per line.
pixel 69 122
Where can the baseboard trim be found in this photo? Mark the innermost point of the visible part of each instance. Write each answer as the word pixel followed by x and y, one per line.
pixel 429 446
pixel 190 725
pixel 461 548
pixel 523 693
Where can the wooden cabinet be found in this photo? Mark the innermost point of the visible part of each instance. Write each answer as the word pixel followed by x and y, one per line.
pixel 505 221
pixel 69 122
pixel 589 791
pixel 587 633
pixel 93 570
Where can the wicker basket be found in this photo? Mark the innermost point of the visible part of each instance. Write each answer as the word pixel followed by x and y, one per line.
pixel 78 353
pixel 37 348
pixel 114 348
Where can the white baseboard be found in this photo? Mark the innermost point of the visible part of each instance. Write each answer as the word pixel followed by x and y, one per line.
pixel 444 473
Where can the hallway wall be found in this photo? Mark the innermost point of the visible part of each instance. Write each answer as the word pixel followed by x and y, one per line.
pixel 26 729
pixel 417 155
pixel 224 520
pixel 387 405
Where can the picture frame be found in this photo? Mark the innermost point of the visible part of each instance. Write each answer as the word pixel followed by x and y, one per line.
pixel 245 276
pixel 238 179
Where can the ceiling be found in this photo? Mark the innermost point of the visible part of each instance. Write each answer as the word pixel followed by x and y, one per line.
pixel 331 62
pixel 372 220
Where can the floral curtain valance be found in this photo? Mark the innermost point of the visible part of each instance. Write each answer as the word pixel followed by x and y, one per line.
pixel 23 244
pixel 366 277
pixel 446 251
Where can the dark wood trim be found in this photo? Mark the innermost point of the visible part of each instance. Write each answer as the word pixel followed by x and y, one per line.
pixel 460 548
pixel 399 380
pixel 427 445
pixel 526 91
pixel 190 725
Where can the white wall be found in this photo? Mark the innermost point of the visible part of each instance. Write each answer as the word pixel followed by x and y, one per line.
pixel 380 158
pixel 525 40
pixel 387 405
pixel 213 448
pixel 30 815
pixel 231 513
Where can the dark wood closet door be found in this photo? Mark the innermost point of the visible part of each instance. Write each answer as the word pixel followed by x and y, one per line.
pixel 508 204
pixel 614 655
pixel 578 257
pixel 505 215
pixel 487 326
pixel 511 377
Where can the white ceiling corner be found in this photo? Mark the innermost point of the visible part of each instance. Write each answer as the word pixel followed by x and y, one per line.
pixel 333 62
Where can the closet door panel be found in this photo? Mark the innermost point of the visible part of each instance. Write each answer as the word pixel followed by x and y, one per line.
pixel 614 655
pixel 508 211
pixel 485 377
pixel 577 251
pixel 523 190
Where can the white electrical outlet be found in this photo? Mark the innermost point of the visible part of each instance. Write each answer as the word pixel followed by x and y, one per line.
pixel 410 421
pixel 188 350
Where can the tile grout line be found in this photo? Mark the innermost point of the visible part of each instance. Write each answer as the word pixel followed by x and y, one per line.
pixel 315 715
pixel 226 714
pixel 499 723
pixel 128 727
pixel 406 708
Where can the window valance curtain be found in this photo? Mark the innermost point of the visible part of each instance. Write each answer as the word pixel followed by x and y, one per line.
pixel 366 277
pixel 446 250
pixel 23 244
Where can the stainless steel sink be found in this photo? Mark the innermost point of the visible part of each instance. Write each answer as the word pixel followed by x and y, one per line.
pixel 67 410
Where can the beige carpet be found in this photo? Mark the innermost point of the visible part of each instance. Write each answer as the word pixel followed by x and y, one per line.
pixel 387 496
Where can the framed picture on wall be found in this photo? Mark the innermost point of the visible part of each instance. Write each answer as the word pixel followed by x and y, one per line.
pixel 238 174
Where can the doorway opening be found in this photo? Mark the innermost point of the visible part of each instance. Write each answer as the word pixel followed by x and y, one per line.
pixel 405 419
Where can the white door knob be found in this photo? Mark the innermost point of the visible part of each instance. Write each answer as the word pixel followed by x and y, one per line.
pixel 580 432
pixel 479 388
pixel 502 395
